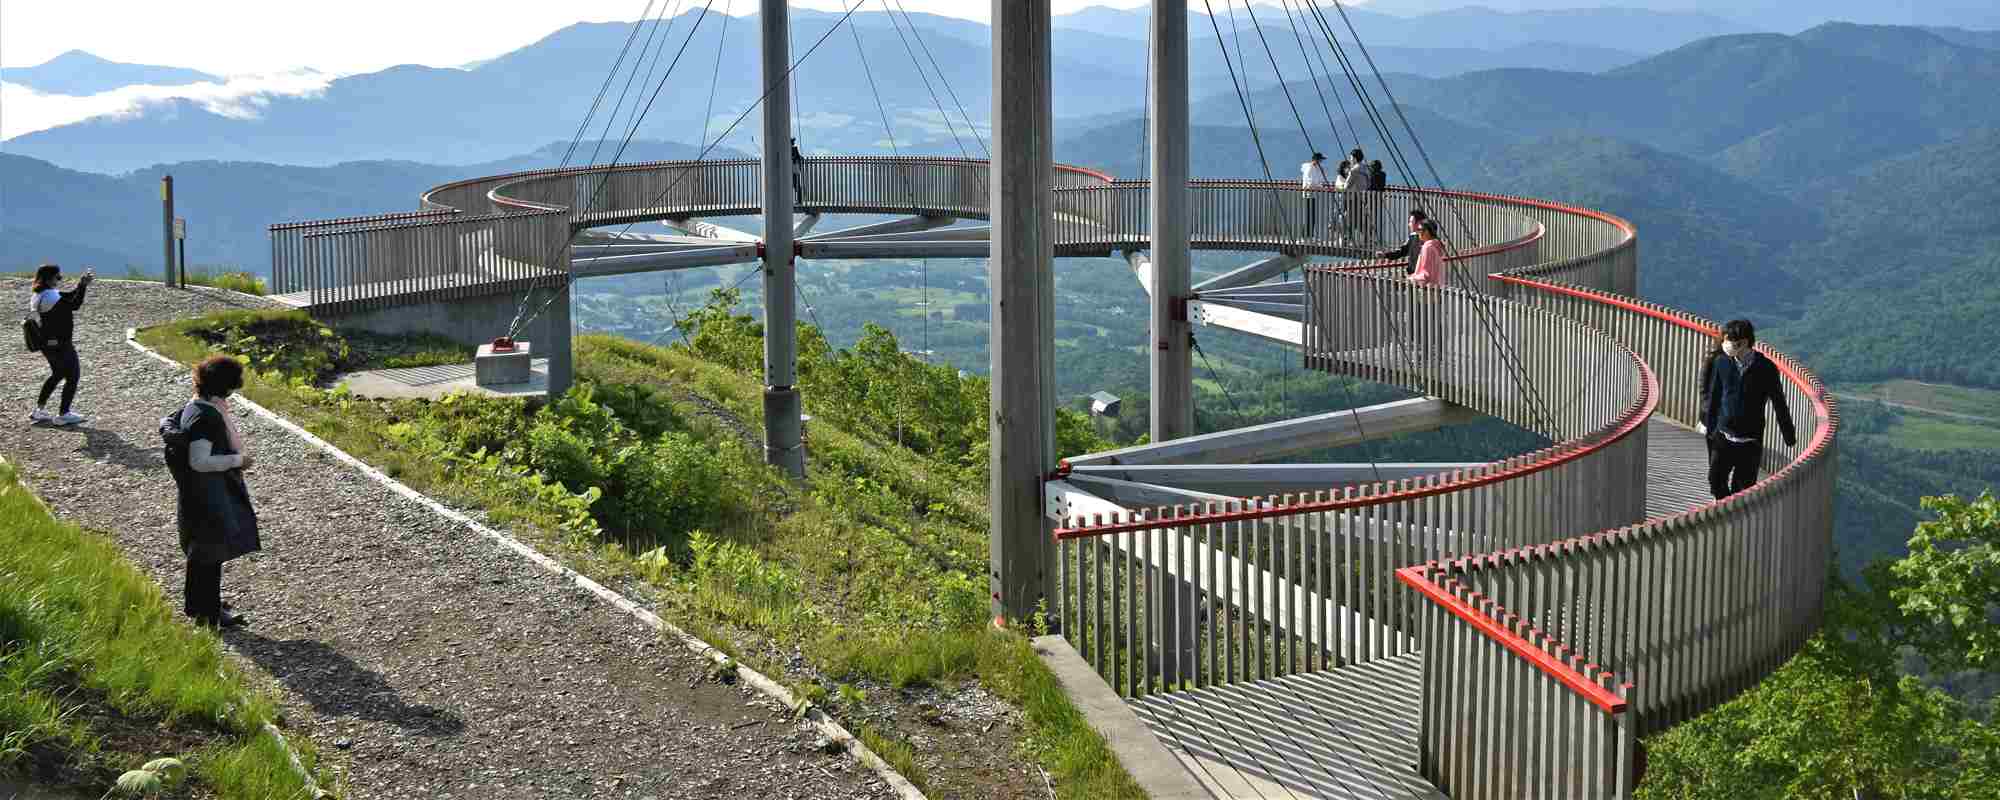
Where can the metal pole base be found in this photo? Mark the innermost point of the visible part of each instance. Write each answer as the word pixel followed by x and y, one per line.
pixel 781 430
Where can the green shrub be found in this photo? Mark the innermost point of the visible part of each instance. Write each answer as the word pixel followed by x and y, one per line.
pixel 668 487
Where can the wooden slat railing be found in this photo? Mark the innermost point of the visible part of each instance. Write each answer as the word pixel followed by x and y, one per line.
pixel 1544 661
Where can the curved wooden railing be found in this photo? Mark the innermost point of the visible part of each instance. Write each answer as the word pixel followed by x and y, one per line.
pixel 1546 651
pixel 1094 215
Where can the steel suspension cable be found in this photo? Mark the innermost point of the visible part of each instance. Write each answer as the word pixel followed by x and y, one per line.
pixel 1380 300
pixel 1509 358
pixel 514 327
pixel 1212 375
pixel 1306 57
pixel 1257 139
pixel 618 107
pixel 1277 73
pixel 605 88
pixel 919 67
pixel 721 42
pixel 909 190
pixel 682 175
pixel 915 34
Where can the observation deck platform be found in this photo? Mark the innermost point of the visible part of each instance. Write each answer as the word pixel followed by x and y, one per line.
pixel 1503 630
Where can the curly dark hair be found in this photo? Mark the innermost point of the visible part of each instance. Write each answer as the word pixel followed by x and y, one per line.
pixel 47 276
pixel 218 376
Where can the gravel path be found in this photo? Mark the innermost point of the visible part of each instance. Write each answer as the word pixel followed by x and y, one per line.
pixel 419 656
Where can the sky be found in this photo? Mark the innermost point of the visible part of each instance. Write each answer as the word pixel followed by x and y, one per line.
pixel 236 37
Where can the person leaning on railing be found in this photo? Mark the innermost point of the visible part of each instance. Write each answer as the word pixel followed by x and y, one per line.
pixel 1412 247
pixel 1740 385
pixel 1429 310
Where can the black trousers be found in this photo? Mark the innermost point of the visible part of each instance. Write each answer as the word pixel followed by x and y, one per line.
pixel 1732 467
pixel 64 368
pixel 204 590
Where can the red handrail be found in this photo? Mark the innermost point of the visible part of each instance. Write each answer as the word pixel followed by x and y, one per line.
pixel 1597 695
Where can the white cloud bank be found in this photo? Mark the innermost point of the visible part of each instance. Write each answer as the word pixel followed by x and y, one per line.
pixel 241 97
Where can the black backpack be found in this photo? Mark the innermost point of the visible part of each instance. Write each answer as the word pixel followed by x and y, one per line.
pixel 32 329
pixel 176 440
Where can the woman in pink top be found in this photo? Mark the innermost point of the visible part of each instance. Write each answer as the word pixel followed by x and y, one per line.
pixel 1429 269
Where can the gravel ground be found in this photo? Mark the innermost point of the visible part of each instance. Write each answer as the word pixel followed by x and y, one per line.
pixel 418 656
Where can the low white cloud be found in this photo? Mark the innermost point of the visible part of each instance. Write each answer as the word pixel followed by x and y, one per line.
pixel 241 97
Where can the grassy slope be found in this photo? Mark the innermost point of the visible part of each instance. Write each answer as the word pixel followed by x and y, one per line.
pixel 873 569
pixel 94 666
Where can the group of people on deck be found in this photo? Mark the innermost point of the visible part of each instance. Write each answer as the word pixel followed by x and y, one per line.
pixel 1356 182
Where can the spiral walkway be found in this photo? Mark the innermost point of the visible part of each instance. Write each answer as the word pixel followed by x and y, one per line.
pixel 1480 630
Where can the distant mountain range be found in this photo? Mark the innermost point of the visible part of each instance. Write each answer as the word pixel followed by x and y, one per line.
pixel 1622 29
pixel 1783 16
pixel 80 73
pixel 70 217
pixel 540 92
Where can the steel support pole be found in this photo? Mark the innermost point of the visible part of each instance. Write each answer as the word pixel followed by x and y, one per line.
pixel 781 395
pixel 167 226
pixel 1172 399
pixel 1021 279
pixel 1172 351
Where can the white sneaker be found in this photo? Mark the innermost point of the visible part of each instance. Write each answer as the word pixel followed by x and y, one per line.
pixel 39 415
pixel 71 418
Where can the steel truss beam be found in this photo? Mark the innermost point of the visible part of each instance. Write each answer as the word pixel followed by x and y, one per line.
pixel 684 257
pixel 1257 272
pixel 1258 480
pixel 916 223
pixel 710 230
pixel 1274 439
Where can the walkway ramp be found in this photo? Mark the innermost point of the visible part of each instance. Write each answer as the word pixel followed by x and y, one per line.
pixel 1345 734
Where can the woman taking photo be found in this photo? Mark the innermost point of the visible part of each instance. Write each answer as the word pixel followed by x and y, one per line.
pixel 55 312
pixel 206 456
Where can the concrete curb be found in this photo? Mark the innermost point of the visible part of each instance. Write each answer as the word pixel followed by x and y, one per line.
pixel 824 724
pixel 312 786
pixel 1150 763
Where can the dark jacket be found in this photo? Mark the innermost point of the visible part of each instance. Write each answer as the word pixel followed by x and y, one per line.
pixel 217 523
pixel 59 323
pixel 1411 247
pixel 1735 399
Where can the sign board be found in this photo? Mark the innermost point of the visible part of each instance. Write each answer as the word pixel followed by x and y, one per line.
pixel 180 228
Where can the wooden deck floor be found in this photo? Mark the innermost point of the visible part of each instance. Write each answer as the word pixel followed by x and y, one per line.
pixel 1347 734
pixel 1676 469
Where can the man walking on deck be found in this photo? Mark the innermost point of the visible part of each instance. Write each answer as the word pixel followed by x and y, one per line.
pixel 1740 385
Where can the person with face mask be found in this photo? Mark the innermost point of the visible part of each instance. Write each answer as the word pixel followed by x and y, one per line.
pixel 1741 383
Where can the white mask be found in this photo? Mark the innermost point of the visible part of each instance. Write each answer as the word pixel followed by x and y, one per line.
pixel 1730 349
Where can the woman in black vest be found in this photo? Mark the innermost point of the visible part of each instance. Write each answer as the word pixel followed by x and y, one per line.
pixel 56 312
pixel 217 523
